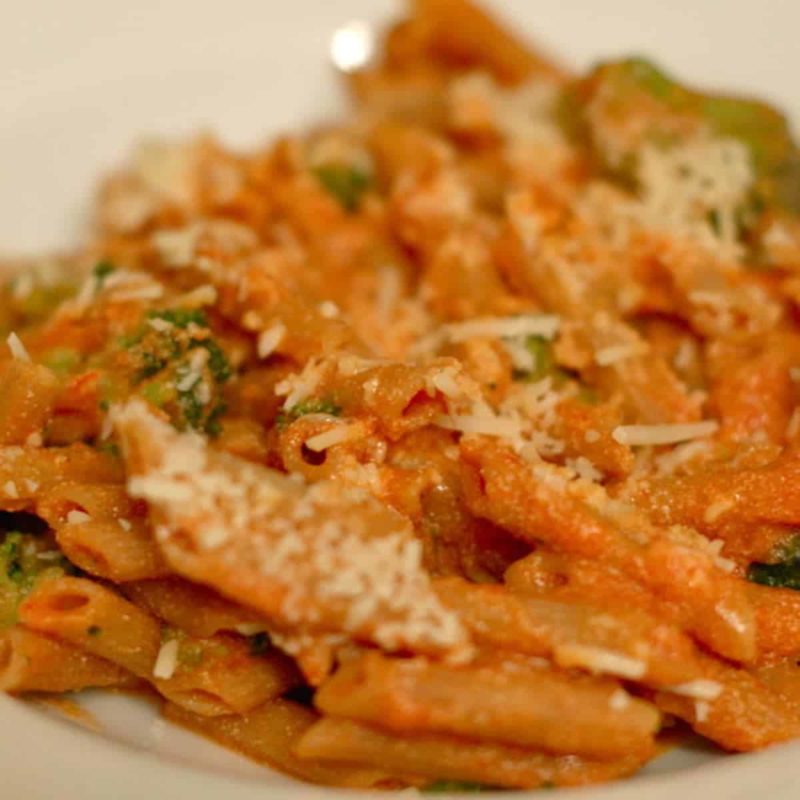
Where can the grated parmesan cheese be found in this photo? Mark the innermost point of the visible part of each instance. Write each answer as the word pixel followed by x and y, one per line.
pixel 682 187
pixel 699 689
pixel 599 660
pixel 651 435
pixel 793 428
pixel 75 517
pixel 17 349
pixel 719 507
pixel 619 700
pixel 337 435
pixel 484 425
pixel 701 710
pixel 270 339
pixel 329 309
pixel 250 628
pixel 544 325
pixel 125 524
pixel 167 660
pixel 10 490
pixel 607 356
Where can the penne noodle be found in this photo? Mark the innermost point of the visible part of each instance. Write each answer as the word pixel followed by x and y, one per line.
pixel 270 735
pixel 192 608
pixel 106 549
pixel 512 706
pixel 92 618
pixel 644 647
pixel 209 676
pixel 30 662
pixel 26 402
pixel 746 715
pixel 720 615
pixel 437 757
pixel 219 676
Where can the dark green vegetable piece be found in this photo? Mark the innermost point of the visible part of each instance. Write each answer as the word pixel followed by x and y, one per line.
pixel 181 317
pixel 101 271
pixel 636 89
pixel 11 556
pixel 784 574
pixel 346 184
pixel 94 630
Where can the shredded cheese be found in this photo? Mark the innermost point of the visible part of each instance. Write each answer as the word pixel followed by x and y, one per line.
pixel 613 354
pixel 337 435
pixel 699 689
pixel 599 660
pixel 544 325
pixel 17 349
pixel 719 507
pixel 167 660
pixel 486 426
pixel 652 435
pixel 619 700
pixel 270 339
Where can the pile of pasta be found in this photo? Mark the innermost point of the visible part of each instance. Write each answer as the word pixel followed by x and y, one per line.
pixel 454 446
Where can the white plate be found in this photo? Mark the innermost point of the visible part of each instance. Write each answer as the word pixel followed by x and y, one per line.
pixel 80 80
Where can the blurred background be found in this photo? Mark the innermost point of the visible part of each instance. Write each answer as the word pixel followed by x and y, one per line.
pixel 79 81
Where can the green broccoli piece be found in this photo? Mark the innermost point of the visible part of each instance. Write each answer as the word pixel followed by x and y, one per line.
pixel 784 573
pixel 181 317
pixel 541 350
pixel 346 184
pixel 101 271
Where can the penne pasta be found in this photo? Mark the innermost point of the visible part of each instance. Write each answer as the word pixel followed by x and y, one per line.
pixel 270 735
pixel 192 608
pixel 513 706
pixel 30 662
pixel 447 757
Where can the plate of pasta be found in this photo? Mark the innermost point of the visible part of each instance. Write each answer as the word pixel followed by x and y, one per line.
pixel 433 428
